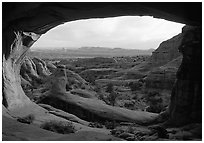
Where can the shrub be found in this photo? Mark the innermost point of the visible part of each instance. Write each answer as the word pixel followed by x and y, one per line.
pixel 135 97
pixel 95 125
pixel 155 102
pixel 111 124
pixel 109 88
pixel 112 98
pixel 27 119
pixel 101 96
pixel 97 89
pixel 59 127
pixel 135 86
pixel 68 88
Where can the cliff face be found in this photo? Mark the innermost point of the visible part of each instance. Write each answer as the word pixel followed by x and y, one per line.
pixel 166 52
pixel 163 64
pixel 163 77
pixel 186 97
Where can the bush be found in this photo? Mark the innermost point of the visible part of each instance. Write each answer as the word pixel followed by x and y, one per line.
pixel 95 125
pixel 101 96
pixel 27 119
pixel 155 102
pixel 109 88
pixel 112 98
pixel 135 86
pixel 59 127
pixel 111 124
pixel 68 88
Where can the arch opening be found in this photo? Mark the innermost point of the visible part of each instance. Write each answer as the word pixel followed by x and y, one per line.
pixel 122 64
pixel 16 42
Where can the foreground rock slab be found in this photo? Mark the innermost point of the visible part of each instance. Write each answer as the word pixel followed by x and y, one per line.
pixel 15 131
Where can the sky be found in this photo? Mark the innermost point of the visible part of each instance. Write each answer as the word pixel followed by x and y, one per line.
pixel 128 32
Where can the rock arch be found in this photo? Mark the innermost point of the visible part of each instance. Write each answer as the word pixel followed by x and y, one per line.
pixel 24 23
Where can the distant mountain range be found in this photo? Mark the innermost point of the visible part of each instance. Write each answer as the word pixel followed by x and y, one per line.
pixel 93 51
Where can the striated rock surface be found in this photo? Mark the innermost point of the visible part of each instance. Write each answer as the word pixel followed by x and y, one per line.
pixel 28 70
pixel 163 77
pixel 51 67
pixel 25 83
pixel 34 71
pixel 166 52
pixel 41 67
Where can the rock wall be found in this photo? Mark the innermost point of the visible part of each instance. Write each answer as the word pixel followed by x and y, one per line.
pixel 186 97
pixel 163 77
pixel 163 64
pixel 166 52
pixel 13 95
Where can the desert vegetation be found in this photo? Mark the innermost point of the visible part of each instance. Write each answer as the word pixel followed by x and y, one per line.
pixel 59 127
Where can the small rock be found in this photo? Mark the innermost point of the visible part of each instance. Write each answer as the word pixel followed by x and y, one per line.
pixel 126 124
pixel 162 133
pixel 113 132
pixel 130 138
pixel 126 135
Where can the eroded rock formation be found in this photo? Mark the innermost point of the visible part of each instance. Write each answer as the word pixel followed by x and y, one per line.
pixel 90 109
pixel 41 67
pixel 23 23
pixel 163 77
pixel 186 97
pixel 166 52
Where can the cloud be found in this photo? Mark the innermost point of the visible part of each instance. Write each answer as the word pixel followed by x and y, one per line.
pixel 125 32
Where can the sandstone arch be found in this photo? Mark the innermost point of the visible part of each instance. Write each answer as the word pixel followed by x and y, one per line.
pixel 23 24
